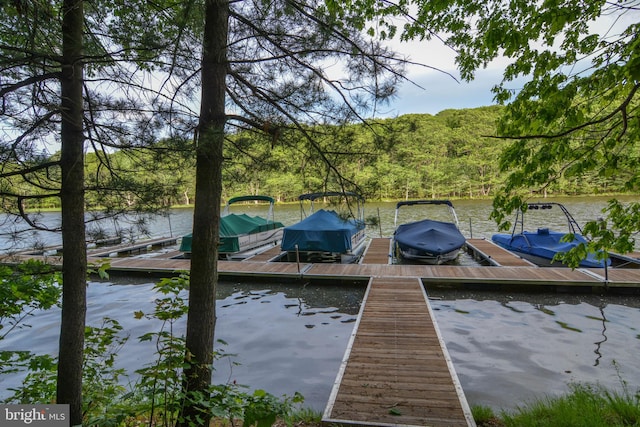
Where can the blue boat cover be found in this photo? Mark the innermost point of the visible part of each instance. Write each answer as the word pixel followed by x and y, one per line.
pixel 431 237
pixel 321 231
pixel 544 243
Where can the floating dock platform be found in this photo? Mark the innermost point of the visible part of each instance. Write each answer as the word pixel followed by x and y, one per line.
pixel 502 268
pixel 396 370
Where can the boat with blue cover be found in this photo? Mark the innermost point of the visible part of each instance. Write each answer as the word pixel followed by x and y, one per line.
pixel 325 235
pixel 542 245
pixel 428 241
pixel 243 235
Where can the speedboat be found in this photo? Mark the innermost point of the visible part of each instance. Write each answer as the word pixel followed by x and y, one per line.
pixel 541 246
pixel 325 235
pixel 428 241
pixel 243 235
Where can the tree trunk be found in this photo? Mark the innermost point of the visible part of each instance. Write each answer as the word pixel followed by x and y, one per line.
pixel 74 267
pixel 206 215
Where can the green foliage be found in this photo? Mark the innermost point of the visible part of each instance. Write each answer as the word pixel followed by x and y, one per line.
pixel 102 391
pixel 261 408
pixel 450 154
pixel 572 123
pixel 28 287
pixel 159 393
pixel 157 396
pixel 160 386
pixel 447 155
pixel 39 385
pixel 101 380
pixel 584 405
pixel 302 416
pixel 619 235
pixel 25 288
pixel 482 414
pixel 616 233
pixel 101 269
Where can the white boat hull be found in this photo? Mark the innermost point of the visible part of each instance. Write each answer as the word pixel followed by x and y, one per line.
pixel 428 259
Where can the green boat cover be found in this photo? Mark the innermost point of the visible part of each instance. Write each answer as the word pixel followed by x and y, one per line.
pixel 232 226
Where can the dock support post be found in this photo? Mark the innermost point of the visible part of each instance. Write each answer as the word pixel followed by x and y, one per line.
pixel 298 258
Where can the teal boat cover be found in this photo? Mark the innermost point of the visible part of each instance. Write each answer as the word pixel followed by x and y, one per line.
pixel 232 226
pixel 321 231
pixel 235 225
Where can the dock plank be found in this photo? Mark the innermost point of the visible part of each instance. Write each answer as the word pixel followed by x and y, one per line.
pixel 396 370
pixel 378 251
pixel 441 274
pixel 496 255
pixel 266 256
pixel 617 277
pixel 128 248
pixel 456 274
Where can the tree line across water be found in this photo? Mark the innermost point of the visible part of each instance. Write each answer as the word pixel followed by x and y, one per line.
pixel 453 154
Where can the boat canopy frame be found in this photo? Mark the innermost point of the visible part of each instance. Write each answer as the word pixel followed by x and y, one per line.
pixel 249 198
pixel 572 224
pixel 447 203
pixel 347 195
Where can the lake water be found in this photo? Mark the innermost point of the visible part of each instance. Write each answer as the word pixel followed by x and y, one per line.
pixel 507 347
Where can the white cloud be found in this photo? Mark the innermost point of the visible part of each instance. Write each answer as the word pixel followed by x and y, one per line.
pixel 437 85
pixel 438 91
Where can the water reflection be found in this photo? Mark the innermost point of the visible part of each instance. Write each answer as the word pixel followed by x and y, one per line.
pixel 510 348
pixel 603 319
pixel 507 347
pixel 283 338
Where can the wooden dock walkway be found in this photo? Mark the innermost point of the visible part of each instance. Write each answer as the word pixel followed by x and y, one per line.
pixel 378 252
pixel 132 248
pixel 495 255
pixel 396 370
pixel 260 267
pixel 267 256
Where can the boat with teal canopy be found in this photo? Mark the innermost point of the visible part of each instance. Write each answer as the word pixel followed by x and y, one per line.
pixel 326 235
pixel 241 234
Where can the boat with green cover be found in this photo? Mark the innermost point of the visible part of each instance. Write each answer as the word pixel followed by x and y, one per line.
pixel 242 235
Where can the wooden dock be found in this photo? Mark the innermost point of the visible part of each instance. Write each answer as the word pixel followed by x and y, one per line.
pixel 494 254
pixel 378 252
pixel 396 370
pixel 507 269
pixel 132 248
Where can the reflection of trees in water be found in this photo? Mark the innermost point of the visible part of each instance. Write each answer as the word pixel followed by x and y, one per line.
pixel 506 305
pixel 543 301
pixel 310 297
pixel 604 336
pixel 543 298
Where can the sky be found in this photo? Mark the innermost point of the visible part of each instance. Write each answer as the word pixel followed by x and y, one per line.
pixel 435 91
pixel 438 91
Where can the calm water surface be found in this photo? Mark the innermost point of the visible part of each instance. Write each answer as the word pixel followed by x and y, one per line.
pixel 507 347
pixel 473 216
